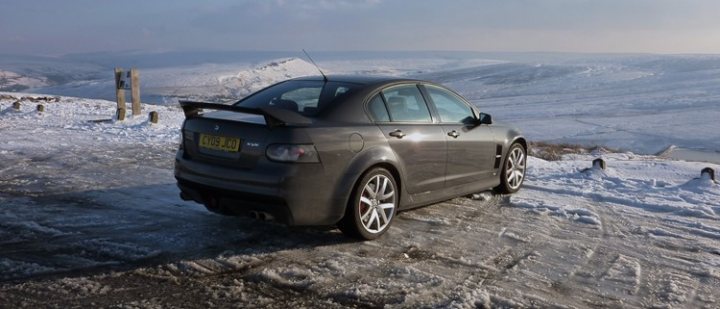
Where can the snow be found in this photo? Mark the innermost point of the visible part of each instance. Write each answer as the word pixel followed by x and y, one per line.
pixel 90 214
pixel 630 180
pixel 638 103
pixel 230 82
pixel 83 115
pixel 627 105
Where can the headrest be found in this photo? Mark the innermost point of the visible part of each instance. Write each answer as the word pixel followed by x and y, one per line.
pixel 287 104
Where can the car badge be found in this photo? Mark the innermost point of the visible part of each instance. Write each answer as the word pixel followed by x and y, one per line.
pixel 217 128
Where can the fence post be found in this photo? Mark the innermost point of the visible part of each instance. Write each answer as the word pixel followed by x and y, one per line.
pixel 154 117
pixel 135 91
pixel 599 163
pixel 709 172
pixel 120 94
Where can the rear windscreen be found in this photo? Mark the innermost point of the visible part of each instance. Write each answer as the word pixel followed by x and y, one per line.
pixel 302 96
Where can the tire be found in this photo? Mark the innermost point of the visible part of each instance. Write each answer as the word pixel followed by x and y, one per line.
pixel 512 174
pixel 372 206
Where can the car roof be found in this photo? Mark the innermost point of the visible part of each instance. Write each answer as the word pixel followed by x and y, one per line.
pixel 359 79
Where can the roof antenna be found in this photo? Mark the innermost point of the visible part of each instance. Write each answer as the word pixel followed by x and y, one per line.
pixel 316 66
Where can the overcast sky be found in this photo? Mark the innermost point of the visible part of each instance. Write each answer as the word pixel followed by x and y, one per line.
pixel 54 27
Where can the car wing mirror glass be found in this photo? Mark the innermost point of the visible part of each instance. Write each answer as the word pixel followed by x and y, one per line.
pixel 484 118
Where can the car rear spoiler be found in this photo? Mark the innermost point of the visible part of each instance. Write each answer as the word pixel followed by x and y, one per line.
pixel 274 117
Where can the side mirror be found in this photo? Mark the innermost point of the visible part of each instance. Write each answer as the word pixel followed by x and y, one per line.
pixel 484 118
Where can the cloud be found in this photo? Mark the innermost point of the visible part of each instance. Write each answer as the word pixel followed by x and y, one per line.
pixel 511 25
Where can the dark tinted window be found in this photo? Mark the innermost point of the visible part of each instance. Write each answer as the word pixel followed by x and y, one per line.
pixel 449 106
pixel 304 97
pixel 377 109
pixel 405 103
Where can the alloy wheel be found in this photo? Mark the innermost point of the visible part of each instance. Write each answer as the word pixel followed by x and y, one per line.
pixel 515 169
pixel 377 204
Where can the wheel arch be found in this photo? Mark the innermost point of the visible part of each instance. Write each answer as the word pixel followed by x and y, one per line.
pixel 522 141
pixel 390 168
pixel 518 139
pixel 352 223
pixel 375 157
pixel 507 136
pixel 512 138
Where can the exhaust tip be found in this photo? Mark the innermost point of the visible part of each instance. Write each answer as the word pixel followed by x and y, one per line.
pixel 259 215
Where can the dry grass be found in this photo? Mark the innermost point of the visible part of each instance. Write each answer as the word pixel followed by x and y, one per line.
pixel 28 98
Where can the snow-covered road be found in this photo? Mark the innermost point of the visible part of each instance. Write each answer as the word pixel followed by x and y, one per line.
pixel 90 217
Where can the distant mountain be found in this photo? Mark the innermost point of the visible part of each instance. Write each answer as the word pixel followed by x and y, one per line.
pixel 211 83
pixel 21 72
pixel 11 81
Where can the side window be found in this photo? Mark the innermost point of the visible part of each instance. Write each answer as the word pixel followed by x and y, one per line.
pixel 405 103
pixel 449 106
pixel 377 109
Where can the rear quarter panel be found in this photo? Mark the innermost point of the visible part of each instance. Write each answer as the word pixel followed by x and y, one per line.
pixel 344 160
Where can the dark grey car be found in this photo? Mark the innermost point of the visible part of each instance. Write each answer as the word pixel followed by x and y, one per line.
pixel 345 150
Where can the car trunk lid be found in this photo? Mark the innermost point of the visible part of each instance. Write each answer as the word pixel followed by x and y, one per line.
pixel 232 136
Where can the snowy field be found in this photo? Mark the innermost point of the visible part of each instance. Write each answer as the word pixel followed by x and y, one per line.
pixel 90 214
pixel 639 103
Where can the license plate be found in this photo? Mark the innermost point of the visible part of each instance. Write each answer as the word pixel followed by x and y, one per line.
pixel 223 143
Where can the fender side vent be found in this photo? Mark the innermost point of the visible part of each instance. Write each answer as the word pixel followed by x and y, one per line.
pixel 498 155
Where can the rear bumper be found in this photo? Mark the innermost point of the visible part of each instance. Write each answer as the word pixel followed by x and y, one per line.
pixel 295 194
pixel 225 201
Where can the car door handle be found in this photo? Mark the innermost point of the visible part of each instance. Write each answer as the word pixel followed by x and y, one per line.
pixel 397 133
pixel 453 133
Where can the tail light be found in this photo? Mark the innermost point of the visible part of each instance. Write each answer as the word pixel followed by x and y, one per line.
pixel 292 153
